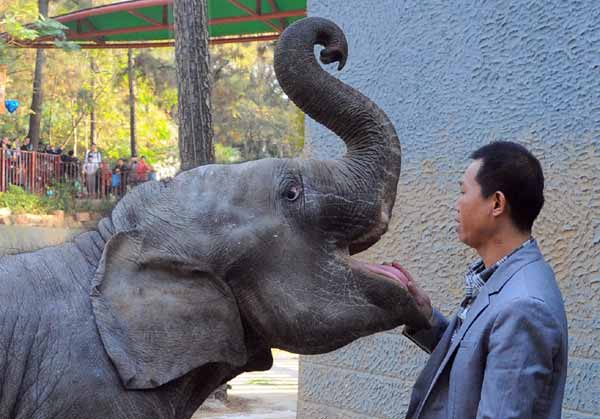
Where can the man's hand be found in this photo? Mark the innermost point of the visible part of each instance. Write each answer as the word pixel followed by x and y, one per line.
pixel 421 298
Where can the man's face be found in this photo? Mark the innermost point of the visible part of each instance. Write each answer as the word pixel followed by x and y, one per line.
pixel 475 213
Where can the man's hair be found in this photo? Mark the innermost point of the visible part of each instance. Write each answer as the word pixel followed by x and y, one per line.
pixel 510 168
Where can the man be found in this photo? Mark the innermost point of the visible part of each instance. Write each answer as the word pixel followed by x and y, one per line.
pixel 142 170
pixel 504 354
pixel 90 169
pixel 95 154
pixel 70 165
pixel 119 177
pixel 27 146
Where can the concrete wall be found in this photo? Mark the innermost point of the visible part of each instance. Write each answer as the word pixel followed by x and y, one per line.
pixel 453 76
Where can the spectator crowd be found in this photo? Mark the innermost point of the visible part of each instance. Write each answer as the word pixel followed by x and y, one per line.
pixel 94 177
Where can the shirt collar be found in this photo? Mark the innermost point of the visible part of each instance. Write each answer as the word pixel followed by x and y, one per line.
pixel 478 267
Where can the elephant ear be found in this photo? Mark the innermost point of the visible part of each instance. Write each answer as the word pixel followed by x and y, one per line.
pixel 159 320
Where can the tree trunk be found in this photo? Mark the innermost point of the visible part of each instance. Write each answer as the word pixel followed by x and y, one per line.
pixel 35 118
pixel 93 69
pixel 193 67
pixel 132 100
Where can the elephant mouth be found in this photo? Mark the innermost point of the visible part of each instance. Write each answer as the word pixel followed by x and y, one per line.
pixel 388 272
pixel 372 237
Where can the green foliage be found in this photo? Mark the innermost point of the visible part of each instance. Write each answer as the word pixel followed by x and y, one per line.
pixel 22 202
pixel 59 196
pixel 22 23
pixel 225 154
pixel 252 118
pixel 68 46
pixel 16 29
pixel 251 112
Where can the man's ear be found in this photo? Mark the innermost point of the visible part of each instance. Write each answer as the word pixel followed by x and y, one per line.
pixel 500 204
pixel 159 320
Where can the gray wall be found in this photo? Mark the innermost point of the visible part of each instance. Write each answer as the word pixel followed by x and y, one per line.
pixel 453 76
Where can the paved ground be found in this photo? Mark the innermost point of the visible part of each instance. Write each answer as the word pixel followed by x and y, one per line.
pixel 269 394
pixel 15 239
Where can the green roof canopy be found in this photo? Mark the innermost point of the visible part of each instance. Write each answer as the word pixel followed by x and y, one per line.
pixel 149 23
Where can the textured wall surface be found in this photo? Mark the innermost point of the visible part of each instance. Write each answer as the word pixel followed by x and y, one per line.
pixel 453 76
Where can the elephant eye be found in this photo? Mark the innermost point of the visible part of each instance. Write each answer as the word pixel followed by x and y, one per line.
pixel 292 193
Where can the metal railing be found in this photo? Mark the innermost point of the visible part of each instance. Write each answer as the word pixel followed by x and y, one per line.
pixel 38 172
pixel 31 170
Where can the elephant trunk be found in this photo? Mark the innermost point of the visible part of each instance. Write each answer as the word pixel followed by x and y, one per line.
pixel 367 175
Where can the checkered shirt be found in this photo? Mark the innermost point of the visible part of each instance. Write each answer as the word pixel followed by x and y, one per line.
pixel 475 279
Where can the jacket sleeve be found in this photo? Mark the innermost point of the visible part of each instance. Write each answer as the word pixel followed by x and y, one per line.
pixel 427 339
pixel 523 343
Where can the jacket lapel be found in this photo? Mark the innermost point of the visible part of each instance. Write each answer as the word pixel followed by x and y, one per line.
pixel 428 375
pixel 505 271
pixel 480 303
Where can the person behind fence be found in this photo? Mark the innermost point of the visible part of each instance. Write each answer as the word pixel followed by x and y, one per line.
pixel 133 179
pixel 94 153
pixel 17 146
pixel 27 146
pixel 6 148
pixel 71 165
pixel 119 178
pixel 142 169
pixel 504 353
pixel 17 171
pixel 105 175
pixel 90 169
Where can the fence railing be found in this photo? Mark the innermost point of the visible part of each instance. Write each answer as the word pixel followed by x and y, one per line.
pixel 33 171
pixel 38 172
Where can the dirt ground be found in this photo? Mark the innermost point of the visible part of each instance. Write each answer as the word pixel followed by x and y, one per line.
pixel 269 394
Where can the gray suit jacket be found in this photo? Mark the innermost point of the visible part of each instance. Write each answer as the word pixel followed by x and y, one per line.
pixel 509 358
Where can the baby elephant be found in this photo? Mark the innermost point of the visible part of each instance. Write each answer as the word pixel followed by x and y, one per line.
pixel 192 281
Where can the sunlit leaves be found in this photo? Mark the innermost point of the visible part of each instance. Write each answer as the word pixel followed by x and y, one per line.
pixel 16 29
pixel 252 118
pixel 49 27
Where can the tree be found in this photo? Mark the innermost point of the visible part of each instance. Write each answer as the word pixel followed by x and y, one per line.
pixel 93 71
pixel 131 77
pixel 193 82
pixel 35 117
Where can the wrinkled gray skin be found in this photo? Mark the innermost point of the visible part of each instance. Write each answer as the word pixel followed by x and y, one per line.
pixel 192 281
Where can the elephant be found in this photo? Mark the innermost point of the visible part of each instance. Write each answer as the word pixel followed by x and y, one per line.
pixel 191 281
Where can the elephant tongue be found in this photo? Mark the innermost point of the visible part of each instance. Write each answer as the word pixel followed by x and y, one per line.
pixel 389 271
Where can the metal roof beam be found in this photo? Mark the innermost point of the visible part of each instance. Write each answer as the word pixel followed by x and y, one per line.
pixel 145 18
pixel 275 9
pixel 116 45
pixel 251 12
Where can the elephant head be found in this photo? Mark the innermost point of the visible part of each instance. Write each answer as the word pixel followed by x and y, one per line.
pixel 223 259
